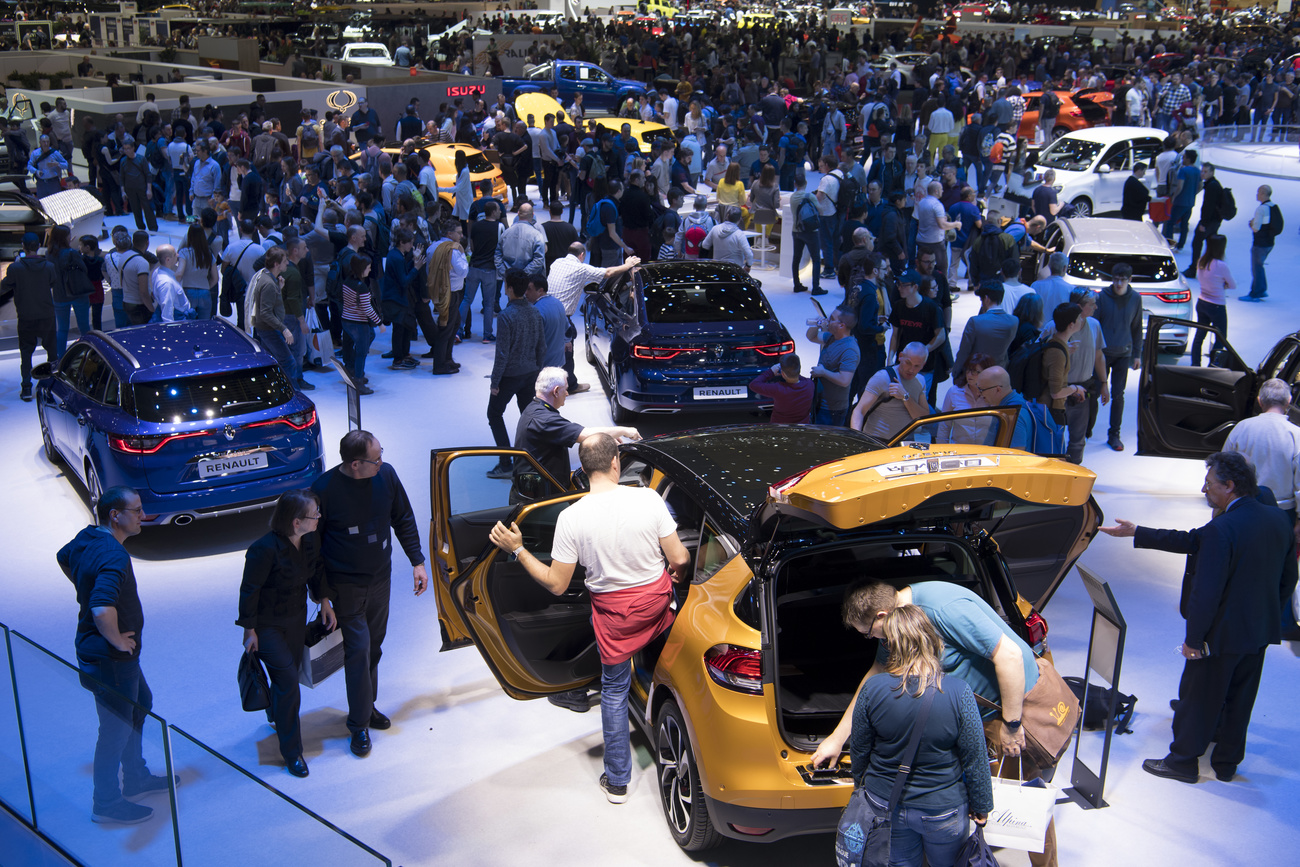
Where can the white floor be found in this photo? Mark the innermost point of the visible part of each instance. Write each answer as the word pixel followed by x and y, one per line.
pixel 467 776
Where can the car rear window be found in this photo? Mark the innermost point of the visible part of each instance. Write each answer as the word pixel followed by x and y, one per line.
pixel 676 303
pixel 217 395
pixel 1100 266
pixel 1070 154
pixel 479 163
pixel 368 52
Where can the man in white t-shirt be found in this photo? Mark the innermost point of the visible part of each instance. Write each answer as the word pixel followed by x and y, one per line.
pixel 621 536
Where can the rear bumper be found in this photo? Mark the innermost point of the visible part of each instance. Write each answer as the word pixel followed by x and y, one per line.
pixel 183 508
pixel 644 394
pixel 783 823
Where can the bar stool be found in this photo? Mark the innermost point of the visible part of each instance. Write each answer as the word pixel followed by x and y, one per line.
pixel 764 220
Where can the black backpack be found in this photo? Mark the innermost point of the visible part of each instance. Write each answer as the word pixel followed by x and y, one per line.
pixel 992 252
pixel 1099 698
pixel 1273 227
pixel 233 284
pixel 847 193
pixel 1228 205
pixel 1049 105
pixel 383 236
pixel 1026 368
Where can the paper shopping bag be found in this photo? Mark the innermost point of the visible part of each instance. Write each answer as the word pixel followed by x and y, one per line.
pixel 1021 813
pixel 322 654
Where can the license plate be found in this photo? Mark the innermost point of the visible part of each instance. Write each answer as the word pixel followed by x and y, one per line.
pixel 233 464
pixel 721 392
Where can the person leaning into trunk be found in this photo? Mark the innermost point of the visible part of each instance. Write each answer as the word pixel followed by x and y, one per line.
pixel 621 535
pixel 979 647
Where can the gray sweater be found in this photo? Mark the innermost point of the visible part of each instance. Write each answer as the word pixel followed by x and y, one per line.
pixel 1121 322
pixel 521 343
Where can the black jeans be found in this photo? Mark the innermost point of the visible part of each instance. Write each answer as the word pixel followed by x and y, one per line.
pixel 446 336
pixel 30 333
pixel 519 387
pixel 1203 232
pixel 1214 315
pixel 571 340
pixel 280 649
pixel 122 699
pixel 362 610
pixel 1117 369
pixel 142 209
pixel 811 240
pixel 550 181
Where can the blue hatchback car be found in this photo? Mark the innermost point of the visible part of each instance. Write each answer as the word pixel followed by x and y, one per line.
pixel 196 416
pixel 682 336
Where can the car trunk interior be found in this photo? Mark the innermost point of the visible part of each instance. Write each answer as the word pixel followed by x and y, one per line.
pixel 819 662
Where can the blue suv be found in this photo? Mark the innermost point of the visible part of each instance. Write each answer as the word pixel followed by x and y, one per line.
pixel 196 416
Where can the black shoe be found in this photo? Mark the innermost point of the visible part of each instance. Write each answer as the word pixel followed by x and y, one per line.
pixel 1173 704
pixel 1160 769
pixel 304 385
pixel 361 744
pixel 1190 272
pixel 387 355
pixel 501 471
pixel 429 354
pixel 615 794
pixel 27 393
pixel 799 288
pixel 575 700
pixel 445 371
pixel 297 767
pixel 365 389
pixel 1115 443
pixel 379 721
pixel 146 786
pixel 1225 775
pixel 819 291
pixel 121 813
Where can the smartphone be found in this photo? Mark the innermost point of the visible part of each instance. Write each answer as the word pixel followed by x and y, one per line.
pixel 821 311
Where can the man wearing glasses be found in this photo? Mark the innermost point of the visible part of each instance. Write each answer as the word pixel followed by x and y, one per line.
pixel 362 503
pixel 109 625
pixel 994 384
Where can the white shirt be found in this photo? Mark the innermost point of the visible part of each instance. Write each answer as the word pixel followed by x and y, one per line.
pixel 615 536
pixel 829 186
pixel 567 278
pixel 168 296
pixel 941 122
pixel 1012 292
pixel 670 112
pixel 1272 444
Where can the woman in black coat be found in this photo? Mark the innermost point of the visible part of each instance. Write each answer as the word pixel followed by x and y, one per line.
pixel 279 570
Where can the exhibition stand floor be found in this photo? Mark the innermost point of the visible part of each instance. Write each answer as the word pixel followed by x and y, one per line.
pixel 467 776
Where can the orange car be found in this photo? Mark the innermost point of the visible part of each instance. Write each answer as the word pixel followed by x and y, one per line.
pixel 1080 110
pixel 779 519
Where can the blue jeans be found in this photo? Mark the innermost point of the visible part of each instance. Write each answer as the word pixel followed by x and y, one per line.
pixel 614 683
pixel 480 277
pixel 169 192
pixel 354 356
pixel 830 243
pixel 120 317
pixel 274 343
pixel 1258 279
pixel 826 415
pixel 936 834
pixel 811 241
pixel 1177 222
pixel 201 301
pixel 63 311
pixel 122 698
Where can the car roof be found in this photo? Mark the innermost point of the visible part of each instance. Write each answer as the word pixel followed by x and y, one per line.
pixel 163 350
pixel 1114 235
pixel 692 271
pixel 1113 134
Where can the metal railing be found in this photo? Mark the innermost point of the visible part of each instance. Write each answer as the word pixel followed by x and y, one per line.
pixel 217 814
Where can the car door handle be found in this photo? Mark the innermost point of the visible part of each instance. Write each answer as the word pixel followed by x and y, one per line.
pixel 1209 392
pixel 81 419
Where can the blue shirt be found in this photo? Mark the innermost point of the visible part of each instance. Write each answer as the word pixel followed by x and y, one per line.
pixel 205 179
pixel 1190 176
pixel 971 631
pixel 554 323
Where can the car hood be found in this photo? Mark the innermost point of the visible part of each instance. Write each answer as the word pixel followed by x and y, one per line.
pixel 629 83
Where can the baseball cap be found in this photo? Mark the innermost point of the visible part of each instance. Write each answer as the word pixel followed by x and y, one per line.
pixel 30 238
pixel 911 276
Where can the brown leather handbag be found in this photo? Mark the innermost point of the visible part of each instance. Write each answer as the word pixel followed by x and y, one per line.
pixel 1048 716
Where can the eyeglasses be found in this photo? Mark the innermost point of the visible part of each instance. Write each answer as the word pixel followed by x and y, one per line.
pixel 375 462
pixel 315 517
pixel 137 509
pixel 988 388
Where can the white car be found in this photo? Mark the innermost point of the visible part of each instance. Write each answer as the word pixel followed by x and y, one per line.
pixel 367 54
pixel 1095 245
pixel 1092 165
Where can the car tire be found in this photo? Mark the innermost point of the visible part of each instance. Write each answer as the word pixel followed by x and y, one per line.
pixel 51 452
pixel 679 784
pixel 1082 207
pixel 1057 132
pixel 591 352
pixel 620 414
pixel 94 487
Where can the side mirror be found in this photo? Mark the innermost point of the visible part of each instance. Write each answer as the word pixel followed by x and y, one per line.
pixel 1103 169
pixel 529 485
pixel 591 289
pixel 44 370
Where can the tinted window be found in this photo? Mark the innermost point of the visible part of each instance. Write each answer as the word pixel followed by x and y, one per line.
pixel 94 373
pixel 1146 269
pixel 704 302
pixel 478 163
pixel 1070 154
pixel 1145 150
pixel 70 365
pixel 368 52
pixel 219 395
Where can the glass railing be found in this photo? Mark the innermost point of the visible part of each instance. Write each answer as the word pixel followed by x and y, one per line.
pixel 49 728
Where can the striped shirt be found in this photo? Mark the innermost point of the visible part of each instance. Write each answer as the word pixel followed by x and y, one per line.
pixel 356 305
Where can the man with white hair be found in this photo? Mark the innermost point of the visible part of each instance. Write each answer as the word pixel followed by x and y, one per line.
pixel 716 169
pixel 894 396
pixel 1272 443
pixel 169 301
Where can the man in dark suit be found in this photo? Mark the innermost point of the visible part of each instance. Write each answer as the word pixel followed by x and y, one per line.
pixel 1136 195
pixel 1241 572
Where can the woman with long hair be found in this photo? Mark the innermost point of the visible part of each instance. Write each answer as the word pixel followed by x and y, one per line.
pixel 198 270
pixel 765 192
pixel 1215 279
pixel 280 569
pixel 731 192
pixel 72 286
pixel 1029 310
pixel 949 783
pixel 464 191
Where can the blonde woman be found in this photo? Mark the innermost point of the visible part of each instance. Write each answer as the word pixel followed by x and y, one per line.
pixel 731 192
pixel 950 782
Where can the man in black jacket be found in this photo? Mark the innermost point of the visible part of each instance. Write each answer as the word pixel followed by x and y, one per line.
pixel 1119 311
pixel 893 233
pixel 110 621
pixel 362 503
pixel 1136 195
pixel 888 170
pixel 1211 215
pixel 31 280
pixel 1233 597
pixel 251 189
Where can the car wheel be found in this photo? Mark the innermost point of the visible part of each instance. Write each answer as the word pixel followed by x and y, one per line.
pixel 591 353
pixel 617 411
pixel 94 487
pixel 1058 131
pixel 679 785
pixel 1082 207
pixel 50 451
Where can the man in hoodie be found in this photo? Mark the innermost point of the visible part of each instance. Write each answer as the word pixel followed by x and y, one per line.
pixel 31 281
pixel 109 625
pixel 995 388
pixel 1119 311
pixel 727 242
pixel 698 218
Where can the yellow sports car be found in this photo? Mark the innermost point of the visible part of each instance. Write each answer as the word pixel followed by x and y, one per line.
pixel 540 104
pixel 779 519
pixel 443 156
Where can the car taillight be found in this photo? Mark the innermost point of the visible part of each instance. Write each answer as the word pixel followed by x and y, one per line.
pixel 1073 111
pixel 1180 297
pixel 738 668
pixel 772 349
pixel 142 445
pixel 660 353
pixel 297 421
pixel 1036 626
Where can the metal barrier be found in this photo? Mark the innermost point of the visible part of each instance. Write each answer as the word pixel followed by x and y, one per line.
pixel 1264 149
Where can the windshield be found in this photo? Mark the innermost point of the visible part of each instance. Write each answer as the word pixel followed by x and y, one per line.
pixel 1070 154
pixel 478 163
pixel 1146 269
pixel 676 303
pixel 219 395
pixel 369 52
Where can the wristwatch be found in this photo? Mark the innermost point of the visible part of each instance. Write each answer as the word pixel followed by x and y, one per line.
pixel 1013 725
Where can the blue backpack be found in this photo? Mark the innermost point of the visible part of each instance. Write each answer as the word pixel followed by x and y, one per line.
pixel 595 228
pixel 808 217
pixel 1047 438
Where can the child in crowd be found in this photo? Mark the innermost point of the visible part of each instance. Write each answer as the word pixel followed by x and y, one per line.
pixel 668 249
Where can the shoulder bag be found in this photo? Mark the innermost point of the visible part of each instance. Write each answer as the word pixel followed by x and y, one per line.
pixel 254 691
pixel 862 838
pixel 1048 716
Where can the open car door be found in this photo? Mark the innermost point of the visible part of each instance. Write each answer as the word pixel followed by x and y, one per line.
pixel 983 426
pixel 535 643
pixel 1187 412
pixel 466 505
